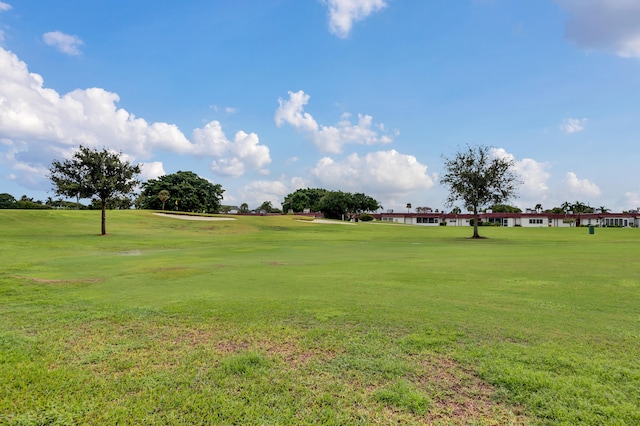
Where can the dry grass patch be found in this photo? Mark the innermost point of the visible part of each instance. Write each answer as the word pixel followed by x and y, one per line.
pixel 461 398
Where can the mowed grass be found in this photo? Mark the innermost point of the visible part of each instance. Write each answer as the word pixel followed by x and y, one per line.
pixel 273 320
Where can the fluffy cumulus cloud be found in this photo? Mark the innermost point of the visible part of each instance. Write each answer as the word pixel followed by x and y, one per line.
pixel 65 43
pixel 37 125
pixel 343 13
pixel 580 187
pixel 257 192
pixel 329 139
pixel 151 170
pixel 233 157
pixel 381 173
pixel 534 175
pixel 573 125
pixel 605 25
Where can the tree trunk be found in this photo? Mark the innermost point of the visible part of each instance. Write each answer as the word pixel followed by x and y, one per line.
pixel 104 217
pixel 475 224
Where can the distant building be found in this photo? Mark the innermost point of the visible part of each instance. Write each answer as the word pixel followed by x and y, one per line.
pixel 530 219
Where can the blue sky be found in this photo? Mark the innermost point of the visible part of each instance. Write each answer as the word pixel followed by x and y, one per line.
pixel 268 96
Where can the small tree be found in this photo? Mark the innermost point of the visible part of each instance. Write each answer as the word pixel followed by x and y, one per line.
pixel 479 179
pixel 92 173
pixel 163 196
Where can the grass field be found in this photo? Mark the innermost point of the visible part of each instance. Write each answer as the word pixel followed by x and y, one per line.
pixel 272 320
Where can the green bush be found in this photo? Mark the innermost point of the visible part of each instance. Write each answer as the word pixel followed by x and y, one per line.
pixel 365 217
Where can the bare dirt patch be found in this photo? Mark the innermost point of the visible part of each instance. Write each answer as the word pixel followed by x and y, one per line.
pixel 462 398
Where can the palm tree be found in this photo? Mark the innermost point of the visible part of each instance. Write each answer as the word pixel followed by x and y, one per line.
pixel 538 208
pixel 408 207
pixel 603 209
pixel 163 196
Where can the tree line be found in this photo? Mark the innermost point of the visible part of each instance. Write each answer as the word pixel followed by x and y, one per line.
pixel 472 175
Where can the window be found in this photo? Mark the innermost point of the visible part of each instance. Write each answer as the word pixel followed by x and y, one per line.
pixel 535 221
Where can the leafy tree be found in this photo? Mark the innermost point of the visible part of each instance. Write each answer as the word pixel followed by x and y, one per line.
pixel 603 209
pixel 479 179
pixel 92 173
pixel 505 208
pixel 538 208
pixel 409 207
pixel 7 201
pixel 163 196
pixel 338 204
pixel 244 208
pixel 265 207
pixel 302 199
pixel 189 192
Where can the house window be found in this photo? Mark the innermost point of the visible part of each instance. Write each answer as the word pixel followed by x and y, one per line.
pixel 535 221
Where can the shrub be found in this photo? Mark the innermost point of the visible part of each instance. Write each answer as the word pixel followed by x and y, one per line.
pixel 365 217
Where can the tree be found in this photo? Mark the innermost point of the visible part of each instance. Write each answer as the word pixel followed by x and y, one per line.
pixel 163 196
pixel 265 207
pixel 479 179
pixel 408 207
pixel 244 208
pixel 189 192
pixel 302 199
pixel 538 208
pixel 92 173
pixel 603 209
pixel 7 201
pixel 505 208
pixel 338 204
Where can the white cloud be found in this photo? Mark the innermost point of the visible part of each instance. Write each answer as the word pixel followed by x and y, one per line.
pixel 580 187
pixel 4 6
pixel 65 43
pixel 37 125
pixel 630 200
pixel 329 139
pixel 257 192
pixel 384 173
pixel 605 25
pixel 343 13
pixel 573 125
pixel 151 170
pixel 234 157
pixel 534 176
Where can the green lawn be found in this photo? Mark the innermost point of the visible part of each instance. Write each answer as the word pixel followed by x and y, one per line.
pixel 273 320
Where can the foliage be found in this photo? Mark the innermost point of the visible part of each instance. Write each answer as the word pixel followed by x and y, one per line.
pixel 93 173
pixel 505 208
pixel 265 207
pixel 244 208
pixel 479 179
pixel 345 205
pixel 7 201
pixel 302 199
pixel 189 193
pixel 163 196
pixel 365 217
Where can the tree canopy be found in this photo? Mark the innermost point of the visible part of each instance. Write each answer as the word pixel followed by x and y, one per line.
pixel 479 179
pixel 302 199
pixel 505 208
pixel 339 205
pixel 188 191
pixel 94 173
